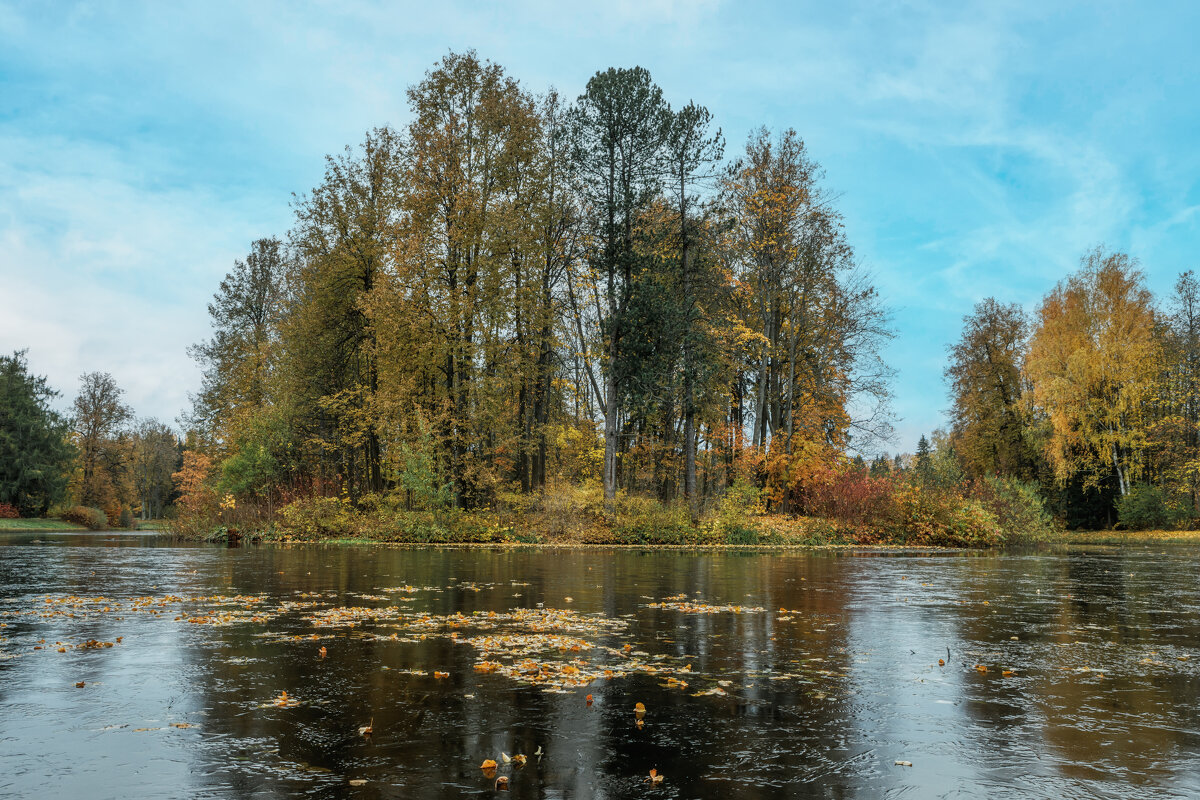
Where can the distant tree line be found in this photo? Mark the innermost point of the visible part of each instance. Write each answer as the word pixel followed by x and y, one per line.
pixel 98 458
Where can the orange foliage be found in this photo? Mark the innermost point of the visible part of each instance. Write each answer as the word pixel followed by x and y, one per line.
pixel 193 482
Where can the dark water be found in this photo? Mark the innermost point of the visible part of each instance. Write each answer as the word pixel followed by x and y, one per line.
pixel 819 701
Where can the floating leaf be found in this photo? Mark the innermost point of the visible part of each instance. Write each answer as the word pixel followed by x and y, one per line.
pixel 488 763
pixel 655 777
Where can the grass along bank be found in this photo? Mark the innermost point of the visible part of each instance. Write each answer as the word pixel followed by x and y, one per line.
pixel 858 511
pixel 1131 537
pixel 19 525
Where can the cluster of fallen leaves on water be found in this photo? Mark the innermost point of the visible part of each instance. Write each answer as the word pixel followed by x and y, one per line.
pixel 556 649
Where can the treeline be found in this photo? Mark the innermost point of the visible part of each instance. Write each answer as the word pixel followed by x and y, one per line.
pixel 1095 397
pixel 98 466
pixel 514 291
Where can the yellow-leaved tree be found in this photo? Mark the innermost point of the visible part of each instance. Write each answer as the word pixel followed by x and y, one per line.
pixel 1091 367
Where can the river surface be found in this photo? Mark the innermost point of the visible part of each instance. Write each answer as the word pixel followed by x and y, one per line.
pixel 134 667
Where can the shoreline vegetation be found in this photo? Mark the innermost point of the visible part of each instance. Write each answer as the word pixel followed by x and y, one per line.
pixel 796 533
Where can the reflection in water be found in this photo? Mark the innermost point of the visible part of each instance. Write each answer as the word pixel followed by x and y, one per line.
pixel 817 695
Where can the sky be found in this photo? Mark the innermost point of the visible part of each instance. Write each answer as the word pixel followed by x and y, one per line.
pixel 976 149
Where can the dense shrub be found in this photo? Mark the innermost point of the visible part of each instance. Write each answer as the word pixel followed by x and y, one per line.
pixel 1018 508
pixel 644 520
pixel 927 516
pixel 734 520
pixel 91 518
pixel 126 519
pixel 854 499
pixel 8 511
pixel 319 518
pixel 1147 507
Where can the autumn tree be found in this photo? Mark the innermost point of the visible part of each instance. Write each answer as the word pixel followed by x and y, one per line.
pixel 101 421
pixel 344 241
pixel 1091 367
pixel 1175 404
pixel 471 263
pixel 816 377
pixel 237 361
pixel 989 425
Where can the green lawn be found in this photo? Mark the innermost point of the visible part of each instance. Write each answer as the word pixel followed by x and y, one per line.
pixel 38 525
pixel 1132 537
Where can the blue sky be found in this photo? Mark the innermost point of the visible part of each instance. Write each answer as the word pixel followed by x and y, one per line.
pixel 977 148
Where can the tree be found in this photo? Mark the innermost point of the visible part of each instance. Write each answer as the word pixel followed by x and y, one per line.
pixel 1091 366
pixel 1175 430
pixel 101 420
pixel 989 426
pixel 344 240
pixel 155 458
pixel 816 320
pixel 472 192
pixel 618 128
pixel 245 314
pixel 691 155
pixel 35 454
pixel 924 462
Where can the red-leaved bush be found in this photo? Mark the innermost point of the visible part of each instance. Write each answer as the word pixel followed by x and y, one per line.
pixel 852 498
pixel 8 511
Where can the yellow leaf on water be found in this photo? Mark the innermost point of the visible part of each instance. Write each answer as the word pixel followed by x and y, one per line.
pixel 488 763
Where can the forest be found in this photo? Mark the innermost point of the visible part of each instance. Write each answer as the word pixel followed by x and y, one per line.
pixel 520 318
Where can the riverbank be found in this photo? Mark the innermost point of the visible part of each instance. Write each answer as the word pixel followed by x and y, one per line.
pixel 29 525
pixel 646 529
pixel 1131 537
pixel 650 525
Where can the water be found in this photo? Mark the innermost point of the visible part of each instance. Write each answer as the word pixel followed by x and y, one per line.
pixel 820 700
